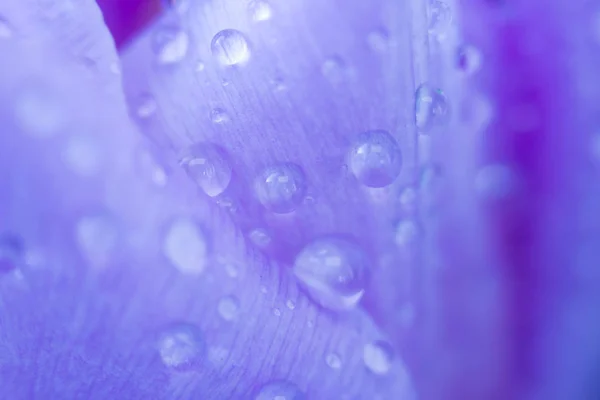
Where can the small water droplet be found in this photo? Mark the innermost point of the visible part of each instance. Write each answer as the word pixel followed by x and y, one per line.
pixel 200 66
pixel 494 182
pixel 333 361
pixel 375 159
pixel 280 390
pixel 406 232
pixel 469 59
pixel 11 253
pixel 5 29
pixel 260 10
pixel 277 312
pixel 231 269
pixel 260 237
pixel 185 246
pixel 182 347
pixel 281 187
pixel 170 44
pixel 228 308
pixel 82 155
pixel 146 106
pixel 38 111
pixel 378 40
pixel 219 116
pixel 290 304
pixel 440 19
pixel 230 47
pixel 149 168
pixel 333 271
pixel 334 69
pixel 97 238
pixel 263 289
pixel 378 357
pixel 431 107
pixel 208 165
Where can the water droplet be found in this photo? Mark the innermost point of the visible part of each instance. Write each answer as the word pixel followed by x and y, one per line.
pixel 208 165
pixel 146 106
pixel 378 357
pixel 334 69
pixel 431 107
pixel 440 19
pixel 11 253
pixel 260 10
pixel 378 40
pixel 219 116
pixel 281 187
pixel 185 246
pixel 375 159
pixel 333 271
pixel 231 269
pixel 277 312
pixel 494 182
pixel 290 304
pixel 82 155
pixel 170 44
pixel 148 167
pixel 5 29
pixel 333 361
pixel 97 238
pixel 469 59
pixel 200 66
pixel 263 289
pixel 406 232
pixel 280 390
pixel 182 346
pixel 230 47
pixel 260 237
pixel 38 111
pixel 228 308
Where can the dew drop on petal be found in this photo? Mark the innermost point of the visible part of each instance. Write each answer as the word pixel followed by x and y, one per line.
pixel 280 390
pixel 378 357
pixel 277 312
pixel 182 346
pixel 97 238
pixel 281 187
pixel 375 159
pixel 219 116
pixel 333 271
pixel 230 47
pixel 333 361
pixel 260 10
pixel 208 165
pixel 228 308
pixel 82 155
pixel 469 59
pixel 11 253
pixel 38 111
pixel 431 107
pixel 440 18
pixel 260 237
pixel 185 246
pixel 170 44
pixel 290 304
pixel 146 107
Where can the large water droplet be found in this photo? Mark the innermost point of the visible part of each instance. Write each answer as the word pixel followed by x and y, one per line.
pixel 97 238
pixel 170 44
pixel 375 159
pixel 185 246
pixel 208 165
pixel 333 271
pixel 38 111
pixel 82 155
pixel 260 10
pixel 431 107
pixel 230 47
pixel 281 187
pixel 182 346
pixel 11 253
pixel 440 19
pixel 378 357
pixel 280 390
pixel 228 308
pixel 333 360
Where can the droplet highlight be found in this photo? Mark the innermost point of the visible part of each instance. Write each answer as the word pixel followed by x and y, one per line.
pixel 170 44
pixel 333 271
pixel 333 360
pixel 230 47
pixel 182 347
pixel 208 165
pixel 281 187
pixel 228 308
pixel 186 247
pixel 260 10
pixel 219 116
pixel 375 159
pixel 378 357
pixel 431 107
